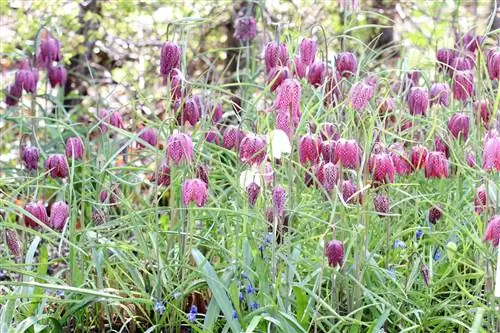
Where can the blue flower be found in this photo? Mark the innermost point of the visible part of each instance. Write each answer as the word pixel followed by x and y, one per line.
pixel 191 316
pixel 392 272
pixel 437 255
pixel 249 289
pixel 244 275
pixel 60 293
pixel 176 295
pixel 234 315
pixel 240 296
pixel 399 244
pixel 253 306
pixel 419 234
pixel 159 307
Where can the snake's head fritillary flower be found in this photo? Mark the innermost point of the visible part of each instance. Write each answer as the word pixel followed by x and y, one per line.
pixel 480 199
pixel 440 94
pixel 316 74
pixel 493 63
pixel 329 176
pixel 382 168
pixel 436 165
pixel 202 172
pixel 308 147
pixel 175 80
pixel 299 67
pixel 253 191
pixel 482 110
pixel 57 166
pixel 425 274
pixel 253 149
pixel 113 118
pixel 329 131
pixel 459 125
pixel 347 64
pixel 349 190
pixel 328 151
pixel 279 144
pixel 194 190
pixel 418 101
pixel 445 58
pixel 462 63
pixel 492 232
pixel 245 28
pixel 232 137
pixel 279 200
pixel 112 196
pixel 491 151
pixel 149 136
pixel 213 136
pixel 13 242
pixel 75 148
pixel 400 159
pixel 180 148
pixel 334 251
pixel 307 49
pixel 333 94
pixel 385 107
pixel 468 41
pixel 190 112
pixel 13 94
pixel 418 156
pixel 275 54
pixel 440 145
pixel 285 124
pixel 48 51
pixel 277 75
pixel 470 159
pixel 216 112
pixel 38 211
pixel 30 157
pixel 463 85
pixel 348 152
pixel 163 175
pixel 26 77
pixel 57 76
pixel 170 58
pixel 59 214
pixel 360 95
pixel 435 213
pixel 381 204
pixel 288 98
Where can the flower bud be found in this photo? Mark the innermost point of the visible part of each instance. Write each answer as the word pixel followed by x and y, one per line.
pixel 38 211
pixel 492 232
pixel 98 217
pixel 346 64
pixel 288 98
pixel 493 64
pixel 440 145
pixel 299 68
pixel 307 49
pixel 74 148
pixel 480 200
pixel 468 41
pixel 194 190
pixel 279 200
pixel 418 156
pixel 308 149
pixel 111 197
pixel 349 190
pixel 170 58
pixel 190 112
pixel 381 204
pixel 30 157
pixel 216 112
pixel 418 101
pixel 163 175
pixel 202 172
pixel 13 95
pixel 253 191
pixel 59 214
pixel 57 76
pixel 49 51
pixel 482 111
pixel 253 149
pixel 435 214
pixel 348 153
pixel 245 28
pixel 27 77
pixel 360 95
pixel 445 58
pixel 440 94
pixel 110 118
pixel 13 242
pixel 334 251
pixel 57 166
pixel 436 165
pixel 463 85
pixel 180 148
pixel 400 159
pixel 459 124
pixel 316 74
pixel 382 168
pixel 148 135
pixel 275 54
pixel 425 274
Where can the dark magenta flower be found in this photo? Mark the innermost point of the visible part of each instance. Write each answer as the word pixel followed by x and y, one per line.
pixel 26 77
pixel 492 232
pixel 425 274
pixel 75 148
pixel 491 151
pixel 57 76
pixel 307 50
pixel 440 145
pixel 329 131
pixel 163 175
pixel 299 67
pixel 308 148
pixel 360 95
pixel 232 137
pixel 463 85
pixel 316 73
pixel 445 58
pixel 180 148
pixel 202 172
pixel 382 168
pixel 462 63
pixel 348 153
pixel 57 166
pixel 436 165
pixel 149 136
pixel 13 242
pixel 480 199
pixel 328 176
pixel 245 28
pixel 440 94
pixel 459 124
pixel 112 196
pixel 113 118
pixel 435 214
pixel 482 110
pixel 284 123
pixel 381 204
pixel 275 54
pixel 493 63
pixel 333 93
pixel 328 151
pixel 212 136
pixel 468 41
pixel 346 64
pixel 279 200
pixel 334 251
pixel 30 156
pixel 288 98
pixel 59 214
pixel 470 158
pixel 190 112
pixel 349 191
pixel 49 51
pixel 13 95
pixel 175 80
pixel 38 211
pixel 170 58
pixel 400 159
pixel 253 149
pixel 253 191
pixel 418 101
pixel 194 190
pixel 418 156
pixel 216 112
pixel 277 75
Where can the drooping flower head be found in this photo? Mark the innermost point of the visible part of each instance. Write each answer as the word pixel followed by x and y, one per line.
pixel 13 95
pixel 163 175
pixel 463 85
pixel 232 137
pixel 113 118
pixel 26 77
pixel 316 74
pixel 348 152
pixel 459 125
pixel 57 166
pixel 418 101
pixel 381 204
pixel 435 213
pixel 149 136
pixel 492 232
pixel 482 110
pixel 170 58
pixel 245 28
pixel 279 200
pixel 333 94
pixel 436 165
pixel 442 146
pixel 38 211
pixel 346 64
pixel 48 51
pixel 418 156
pixel 440 94
pixel 360 95
pixel 307 50
pixel 328 175
pixel 400 159
pixel 194 190
pixel 75 148
pixel 253 149
pixel 253 191
pixel 180 148
pixel 299 67
pixel 493 63
pixel 308 147
pixel 275 54
pixel 334 251
pixel 277 75
pixel 57 76
pixel 30 156
pixel 329 131
pixel 468 41
pixel 13 242
pixel 382 168
pixel 288 98
pixel 445 58
pixel 59 214
pixel 480 199
pixel 491 151
pixel 349 191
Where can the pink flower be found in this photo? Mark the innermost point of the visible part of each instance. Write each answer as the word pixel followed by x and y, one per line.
pixel 49 51
pixel 300 68
pixel 307 49
pixel 288 98
pixel 180 148
pixel 253 191
pixel 75 148
pixel 329 131
pixel 418 156
pixel 445 59
pixel 462 63
pixel 277 75
pixel 149 136
pixel 216 112
pixel 382 168
pixel 418 101
pixel 245 28
pixel 463 85
pixel 279 200
pixel 440 145
pixel 436 165
pixel 329 176
pixel 491 151
pixel 493 63
pixel 316 74
pixel 482 111
pixel 170 58
pixel 349 190
pixel 194 190
pixel 30 156
pixel 328 148
pixel 468 41
pixel 459 124
pixel 112 196
pixel 57 166
pixel 38 211
pixel 175 84
pixel 275 54
pixel 232 137
pixel 308 149
pixel 440 94
pixel 163 175
pixel 360 95
pixel 381 204
pixel 334 251
pixel 110 118
pixel 480 199
pixel 212 136
pixel 253 149
pixel 346 64
pixel 57 76
pixel 284 123
pixel 191 112
pixel 400 159
pixel 59 214
pixel 492 232
pixel 26 77
pixel 348 153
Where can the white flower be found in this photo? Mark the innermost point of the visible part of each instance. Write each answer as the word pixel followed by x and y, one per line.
pixel 247 177
pixel 278 144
